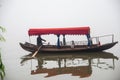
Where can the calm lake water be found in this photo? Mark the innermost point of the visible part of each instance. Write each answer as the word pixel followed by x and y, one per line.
pixel 74 66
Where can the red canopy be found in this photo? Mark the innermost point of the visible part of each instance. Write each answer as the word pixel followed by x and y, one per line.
pixel 57 31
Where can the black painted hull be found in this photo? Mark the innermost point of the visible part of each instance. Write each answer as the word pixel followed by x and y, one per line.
pixel 52 48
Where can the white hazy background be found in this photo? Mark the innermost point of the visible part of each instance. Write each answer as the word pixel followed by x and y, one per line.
pixel 17 16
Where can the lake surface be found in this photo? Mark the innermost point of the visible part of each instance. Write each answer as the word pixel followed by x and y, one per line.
pixel 71 66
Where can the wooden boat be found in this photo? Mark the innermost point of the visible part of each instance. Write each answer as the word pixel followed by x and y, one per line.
pixel 89 47
pixel 52 48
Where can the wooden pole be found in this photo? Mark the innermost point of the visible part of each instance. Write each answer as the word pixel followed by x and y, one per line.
pixel 112 38
pixel 29 39
pixel 36 51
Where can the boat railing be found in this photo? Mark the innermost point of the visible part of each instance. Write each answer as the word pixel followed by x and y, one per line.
pixel 77 42
pixel 104 39
pixel 96 40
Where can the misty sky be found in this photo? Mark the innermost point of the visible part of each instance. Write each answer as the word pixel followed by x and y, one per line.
pixel 17 16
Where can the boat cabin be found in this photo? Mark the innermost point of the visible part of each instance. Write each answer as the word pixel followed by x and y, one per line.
pixel 62 31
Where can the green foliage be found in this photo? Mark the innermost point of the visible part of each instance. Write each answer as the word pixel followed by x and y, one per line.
pixel 2 68
pixel 1 37
pixel 2 29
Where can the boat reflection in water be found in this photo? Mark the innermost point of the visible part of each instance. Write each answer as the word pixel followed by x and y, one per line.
pixel 77 64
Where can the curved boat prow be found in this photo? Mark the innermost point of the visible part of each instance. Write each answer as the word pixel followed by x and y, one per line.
pixel 113 44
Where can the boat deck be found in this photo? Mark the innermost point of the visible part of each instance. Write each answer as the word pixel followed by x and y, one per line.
pixel 65 48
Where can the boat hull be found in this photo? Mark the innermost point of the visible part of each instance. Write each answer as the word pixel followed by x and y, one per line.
pixel 78 48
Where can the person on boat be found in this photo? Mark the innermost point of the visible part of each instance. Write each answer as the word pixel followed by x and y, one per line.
pixel 99 43
pixel 72 44
pixel 39 41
